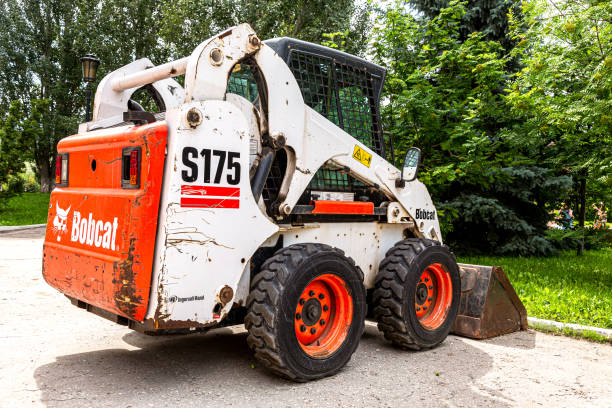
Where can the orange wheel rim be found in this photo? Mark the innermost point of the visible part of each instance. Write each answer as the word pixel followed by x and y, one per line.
pixel 433 297
pixel 323 315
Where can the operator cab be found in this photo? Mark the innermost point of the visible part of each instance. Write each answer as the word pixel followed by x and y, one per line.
pixel 343 88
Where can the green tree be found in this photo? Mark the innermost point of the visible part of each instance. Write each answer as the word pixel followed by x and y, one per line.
pixel 18 128
pixel 445 95
pixel 564 92
pixel 11 153
pixel 489 17
pixel 41 43
pixel 186 23
pixel 309 20
pixel 127 30
pixel 40 46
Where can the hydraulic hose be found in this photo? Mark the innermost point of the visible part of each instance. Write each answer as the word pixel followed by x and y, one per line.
pixel 261 174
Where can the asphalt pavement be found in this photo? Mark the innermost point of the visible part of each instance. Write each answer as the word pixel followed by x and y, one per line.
pixel 54 354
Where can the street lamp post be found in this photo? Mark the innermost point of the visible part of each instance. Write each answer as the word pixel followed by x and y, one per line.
pixel 90 67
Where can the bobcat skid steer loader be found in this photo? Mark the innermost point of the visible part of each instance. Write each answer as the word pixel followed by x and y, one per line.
pixel 259 192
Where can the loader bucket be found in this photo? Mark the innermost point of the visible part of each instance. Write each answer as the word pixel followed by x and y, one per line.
pixel 489 305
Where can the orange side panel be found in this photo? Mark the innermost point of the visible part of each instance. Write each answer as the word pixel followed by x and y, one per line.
pixel 100 240
pixel 342 207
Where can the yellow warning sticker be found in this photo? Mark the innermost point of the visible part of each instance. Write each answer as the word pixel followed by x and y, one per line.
pixel 362 156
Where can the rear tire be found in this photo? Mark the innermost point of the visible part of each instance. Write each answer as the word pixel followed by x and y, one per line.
pixel 417 293
pixel 306 311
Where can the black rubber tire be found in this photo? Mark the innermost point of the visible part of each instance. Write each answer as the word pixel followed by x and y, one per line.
pixel 275 291
pixel 394 294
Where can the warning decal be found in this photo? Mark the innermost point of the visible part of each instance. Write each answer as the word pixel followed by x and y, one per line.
pixel 362 156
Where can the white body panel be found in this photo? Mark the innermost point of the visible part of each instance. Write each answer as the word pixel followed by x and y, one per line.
pixel 365 242
pixel 199 251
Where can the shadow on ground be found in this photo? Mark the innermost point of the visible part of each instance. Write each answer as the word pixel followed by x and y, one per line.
pixel 218 367
pixel 524 340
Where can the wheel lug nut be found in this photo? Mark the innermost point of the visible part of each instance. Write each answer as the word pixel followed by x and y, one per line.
pixel 298 316
pixel 322 322
pixel 313 330
pixel 302 328
pixel 430 287
pixel 418 309
pixel 424 307
pixel 311 293
pixel 301 301
pixel 325 308
pixel 321 296
pixel 426 279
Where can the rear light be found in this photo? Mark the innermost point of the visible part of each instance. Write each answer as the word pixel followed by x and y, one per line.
pixel 58 169
pixel 65 170
pixel 61 170
pixel 134 167
pixel 130 167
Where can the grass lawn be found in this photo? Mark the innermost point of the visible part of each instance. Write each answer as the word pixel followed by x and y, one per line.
pixel 25 209
pixel 566 288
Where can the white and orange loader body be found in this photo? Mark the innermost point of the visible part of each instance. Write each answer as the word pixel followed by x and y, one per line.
pixel 156 222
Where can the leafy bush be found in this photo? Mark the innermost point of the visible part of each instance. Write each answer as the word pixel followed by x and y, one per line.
pixel 22 183
pixel 31 185
pixel 446 95
pixel 15 184
pixel 508 217
pixel 570 239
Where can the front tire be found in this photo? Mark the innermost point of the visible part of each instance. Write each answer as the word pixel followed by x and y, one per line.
pixel 417 293
pixel 306 311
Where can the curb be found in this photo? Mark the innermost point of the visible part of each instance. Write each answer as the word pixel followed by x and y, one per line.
pixel 12 228
pixel 553 325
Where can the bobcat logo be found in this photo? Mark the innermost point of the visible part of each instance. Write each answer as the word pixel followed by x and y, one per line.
pixel 60 221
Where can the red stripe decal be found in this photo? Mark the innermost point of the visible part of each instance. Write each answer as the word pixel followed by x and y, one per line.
pixel 196 202
pixel 210 191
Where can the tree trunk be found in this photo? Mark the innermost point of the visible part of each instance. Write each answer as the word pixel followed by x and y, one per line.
pixel 46 179
pixel 582 211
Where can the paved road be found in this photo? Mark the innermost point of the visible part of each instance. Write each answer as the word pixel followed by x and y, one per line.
pixel 53 354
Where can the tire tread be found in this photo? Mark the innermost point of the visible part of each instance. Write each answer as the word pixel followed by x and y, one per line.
pixel 389 291
pixel 264 300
